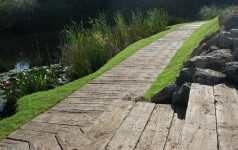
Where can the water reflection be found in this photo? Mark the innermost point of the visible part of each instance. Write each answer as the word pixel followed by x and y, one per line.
pixel 22 65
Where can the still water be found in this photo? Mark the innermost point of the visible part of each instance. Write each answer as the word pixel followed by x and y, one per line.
pixel 24 51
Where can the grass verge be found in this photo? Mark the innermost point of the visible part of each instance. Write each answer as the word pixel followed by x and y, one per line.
pixel 35 104
pixel 171 71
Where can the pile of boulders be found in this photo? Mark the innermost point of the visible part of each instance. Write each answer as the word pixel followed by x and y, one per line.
pixel 214 62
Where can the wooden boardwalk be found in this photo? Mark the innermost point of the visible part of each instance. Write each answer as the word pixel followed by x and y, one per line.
pixel 103 115
pixel 211 120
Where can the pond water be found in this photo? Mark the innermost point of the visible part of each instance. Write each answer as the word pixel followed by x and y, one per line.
pixel 22 65
pixel 24 51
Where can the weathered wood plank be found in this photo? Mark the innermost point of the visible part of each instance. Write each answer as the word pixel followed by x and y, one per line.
pixel 49 128
pixel 98 94
pixel 199 132
pixel 64 118
pixel 129 133
pixel 75 99
pixel 227 117
pixel 155 133
pixel 14 145
pixel 121 82
pixel 98 135
pixel 79 108
pixel 37 140
pixel 174 139
pixel 95 96
pixel 89 101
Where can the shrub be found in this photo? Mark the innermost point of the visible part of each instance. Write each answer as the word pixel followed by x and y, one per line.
pixel 35 80
pixel 86 50
pixel 3 66
pixel 157 20
pixel 14 85
pixel 209 12
pixel 227 13
pixel 100 25
pixel 145 24
pixel 120 36
pixel 8 97
pixel 137 25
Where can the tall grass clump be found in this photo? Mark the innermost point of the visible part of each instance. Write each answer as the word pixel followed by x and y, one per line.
pixel 147 23
pixel 227 13
pixel 157 20
pixel 138 27
pixel 209 12
pixel 120 36
pixel 86 50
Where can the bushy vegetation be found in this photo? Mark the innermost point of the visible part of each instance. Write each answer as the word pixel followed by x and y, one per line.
pixel 45 15
pixel 8 97
pixel 18 84
pixel 209 12
pixel 88 49
pixel 226 14
pixel 3 67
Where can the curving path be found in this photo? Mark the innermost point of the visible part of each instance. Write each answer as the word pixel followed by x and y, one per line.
pixel 103 115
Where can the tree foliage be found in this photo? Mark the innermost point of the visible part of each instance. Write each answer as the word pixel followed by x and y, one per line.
pixel 45 15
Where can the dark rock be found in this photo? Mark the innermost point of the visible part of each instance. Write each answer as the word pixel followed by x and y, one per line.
pixel 207 46
pixel 213 40
pixel 213 48
pixel 185 76
pixel 235 54
pixel 231 71
pixel 230 22
pixel 2 103
pixel 205 52
pixel 225 40
pixel 235 43
pixel 208 77
pixel 234 33
pixel 180 97
pixel 165 96
pixel 201 49
pixel 235 48
pixel 214 60
pixel 224 54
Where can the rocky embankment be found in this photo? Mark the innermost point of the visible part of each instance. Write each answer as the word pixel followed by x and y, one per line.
pixel 214 62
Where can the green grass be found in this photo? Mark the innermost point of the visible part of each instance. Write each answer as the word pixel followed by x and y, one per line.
pixel 171 71
pixel 32 105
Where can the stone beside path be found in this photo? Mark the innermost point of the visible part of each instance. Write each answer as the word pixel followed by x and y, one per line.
pixel 103 116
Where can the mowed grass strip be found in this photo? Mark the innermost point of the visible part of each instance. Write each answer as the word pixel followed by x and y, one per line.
pixel 32 105
pixel 170 73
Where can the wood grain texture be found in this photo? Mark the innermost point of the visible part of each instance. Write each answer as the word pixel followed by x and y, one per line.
pixel 129 133
pixel 227 117
pixel 36 140
pixel 199 131
pixel 14 145
pixel 174 139
pixel 155 133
